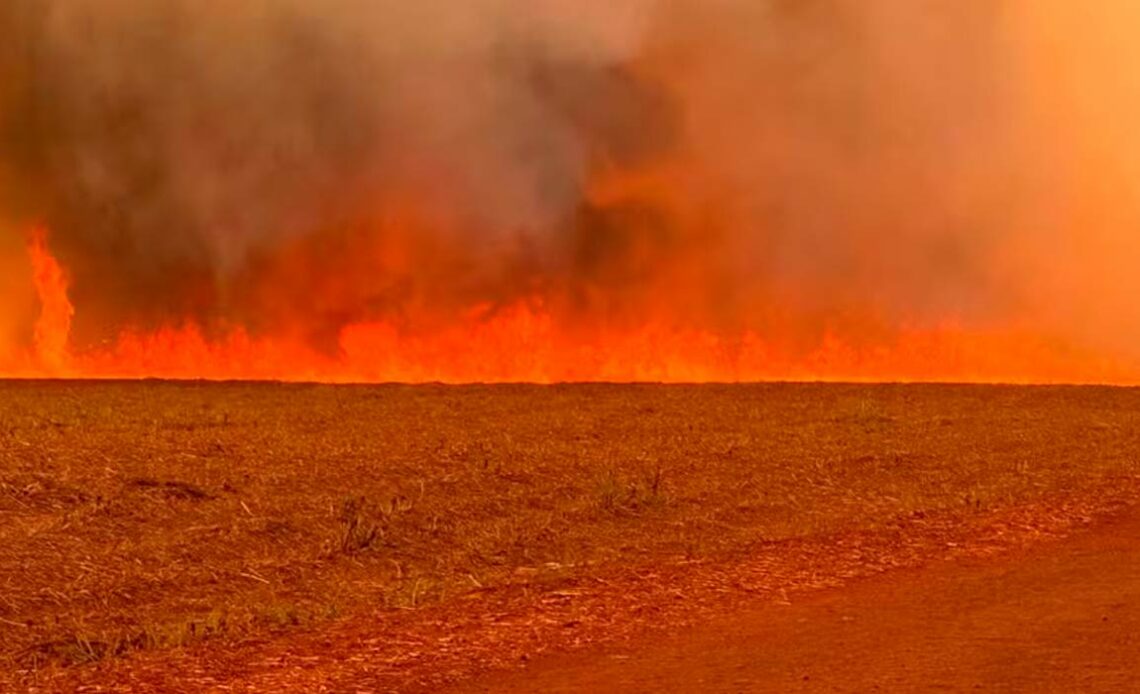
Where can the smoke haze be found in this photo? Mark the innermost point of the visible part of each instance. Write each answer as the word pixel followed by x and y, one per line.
pixel 795 170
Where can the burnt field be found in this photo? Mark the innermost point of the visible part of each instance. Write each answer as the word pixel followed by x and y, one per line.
pixel 148 529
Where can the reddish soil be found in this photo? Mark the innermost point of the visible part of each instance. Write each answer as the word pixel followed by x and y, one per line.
pixel 956 592
pixel 1062 618
pixel 161 537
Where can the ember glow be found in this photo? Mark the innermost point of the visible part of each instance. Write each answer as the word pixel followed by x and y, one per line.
pixel 551 191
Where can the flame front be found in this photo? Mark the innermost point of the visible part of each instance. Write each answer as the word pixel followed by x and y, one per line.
pixel 524 342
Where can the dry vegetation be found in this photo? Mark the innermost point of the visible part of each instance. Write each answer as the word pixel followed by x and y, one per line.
pixel 145 516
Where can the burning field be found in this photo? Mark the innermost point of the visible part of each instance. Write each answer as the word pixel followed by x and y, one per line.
pixel 569 191
pixel 532 281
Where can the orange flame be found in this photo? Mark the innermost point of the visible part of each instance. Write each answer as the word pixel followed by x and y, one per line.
pixel 54 324
pixel 525 343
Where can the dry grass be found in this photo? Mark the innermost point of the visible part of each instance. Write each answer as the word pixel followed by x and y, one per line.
pixel 150 516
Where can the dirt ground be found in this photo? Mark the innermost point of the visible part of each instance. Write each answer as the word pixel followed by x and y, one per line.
pixel 237 537
pixel 1059 618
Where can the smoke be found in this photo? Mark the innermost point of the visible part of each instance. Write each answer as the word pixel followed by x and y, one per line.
pixel 794 167
pixel 168 143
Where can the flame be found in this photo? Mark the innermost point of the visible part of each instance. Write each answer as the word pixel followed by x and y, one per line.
pixel 525 342
pixel 54 323
pixel 730 191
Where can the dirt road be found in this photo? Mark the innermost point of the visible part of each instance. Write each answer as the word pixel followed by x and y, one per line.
pixel 1062 618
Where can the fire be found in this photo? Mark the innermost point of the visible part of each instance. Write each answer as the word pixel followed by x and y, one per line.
pixel 54 323
pixel 524 342
pixel 570 191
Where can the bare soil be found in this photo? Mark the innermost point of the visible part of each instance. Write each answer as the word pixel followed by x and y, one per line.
pixel 1063 618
